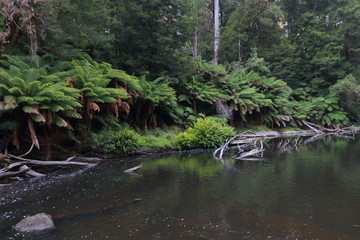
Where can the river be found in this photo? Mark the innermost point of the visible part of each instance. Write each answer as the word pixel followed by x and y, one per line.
pixel 312 192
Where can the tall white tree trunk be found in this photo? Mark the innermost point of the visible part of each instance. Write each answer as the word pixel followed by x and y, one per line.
pixel 196 42
pixel 239 49
pixel 216 30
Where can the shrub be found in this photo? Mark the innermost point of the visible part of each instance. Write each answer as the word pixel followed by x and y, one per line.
pixel 206 133
pixel 159 138
pixel 348 89
pixel 125 141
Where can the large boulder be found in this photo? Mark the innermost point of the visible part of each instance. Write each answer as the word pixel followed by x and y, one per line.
pixel 36 223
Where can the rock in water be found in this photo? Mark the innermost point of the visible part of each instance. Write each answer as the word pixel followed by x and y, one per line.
pixel 36 223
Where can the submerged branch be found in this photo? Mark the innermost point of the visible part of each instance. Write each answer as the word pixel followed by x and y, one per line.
pixel 247 143
pixel 225 146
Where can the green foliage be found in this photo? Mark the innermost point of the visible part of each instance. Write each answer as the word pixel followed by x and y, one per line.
pixel 89 78
pixel 325 47
pixel 33 90
pixel 249 91
pixel 348 89
pixel 253 23
pixel 99 89
pixel 202 87
pixel 157 91
pixel 310 46
pixel 256 64
pixel 158 96
pixel 198 90
pixel 56 92
pixel 159 138
pixel 124 141
pixel 77 25
pixel 148 33
pixel 206 133
pixel 33 94
pixel 325 111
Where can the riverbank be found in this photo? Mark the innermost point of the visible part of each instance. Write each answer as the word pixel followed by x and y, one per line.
pixel 257 131
pixel 157 142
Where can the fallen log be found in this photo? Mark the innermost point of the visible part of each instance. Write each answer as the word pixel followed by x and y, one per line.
pixel 11 166
pixel 21 164
pixel 250 138
pixel 50 163
pixel 247 138
pixel 31 172
pixel 12 173
pixel 22 169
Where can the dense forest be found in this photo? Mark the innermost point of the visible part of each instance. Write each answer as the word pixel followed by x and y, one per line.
pixel 71 68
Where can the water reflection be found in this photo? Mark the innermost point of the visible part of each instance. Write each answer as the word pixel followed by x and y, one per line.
pixel 312 193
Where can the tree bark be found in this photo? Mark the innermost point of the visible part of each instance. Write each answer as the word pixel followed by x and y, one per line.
pixel 216 30
pixel 196 42
pixel 239 51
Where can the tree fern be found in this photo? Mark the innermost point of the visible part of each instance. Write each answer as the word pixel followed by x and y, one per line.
pixel 27 89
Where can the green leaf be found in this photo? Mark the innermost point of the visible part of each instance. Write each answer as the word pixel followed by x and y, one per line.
pixel 60 122
pixel 30 109
pixel 38 117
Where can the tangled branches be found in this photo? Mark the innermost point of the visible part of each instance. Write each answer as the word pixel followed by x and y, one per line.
pixel 251 145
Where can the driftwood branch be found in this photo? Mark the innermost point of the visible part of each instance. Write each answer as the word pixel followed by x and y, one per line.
pixel 11 166
pixel 12 173
pixel 50 163
pixel 248 148
pixel 250 153
pixel 225 146
pixel 31 172
pixel 21 164
pixel 312 127
pixel 134 169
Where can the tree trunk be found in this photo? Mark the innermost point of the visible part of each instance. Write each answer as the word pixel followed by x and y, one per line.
pixel 195 107
pixel 216 30
pixel 240 57
pixel 33 49
pixel 196 41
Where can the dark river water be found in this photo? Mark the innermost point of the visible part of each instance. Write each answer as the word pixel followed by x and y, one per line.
pixel 306 194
